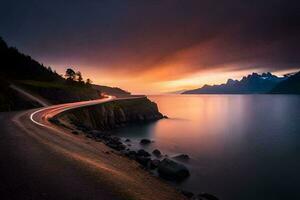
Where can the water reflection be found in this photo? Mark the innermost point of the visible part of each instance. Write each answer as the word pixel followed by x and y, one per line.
pixel 242 146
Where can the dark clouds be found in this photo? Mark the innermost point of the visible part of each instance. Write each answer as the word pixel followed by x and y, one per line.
pixel 143 35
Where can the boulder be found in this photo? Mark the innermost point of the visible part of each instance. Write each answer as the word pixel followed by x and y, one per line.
pixel 95 133
pixel 144 161
pixel 127 140
pixel 181 157
pixel 172 170
pixel 145 141
pixel 131 154
pixel 154 164
pixel 144 153
pixel 156 152
pixel 115 139
pixel 115 143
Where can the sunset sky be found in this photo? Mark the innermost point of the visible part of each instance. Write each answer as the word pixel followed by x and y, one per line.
pixel 153 46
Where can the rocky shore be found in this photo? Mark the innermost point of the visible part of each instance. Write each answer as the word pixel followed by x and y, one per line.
pixel 95 122
pixel 111 115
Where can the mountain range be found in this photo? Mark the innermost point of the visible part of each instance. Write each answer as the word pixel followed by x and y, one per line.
pixel 289 86
pixel 253 84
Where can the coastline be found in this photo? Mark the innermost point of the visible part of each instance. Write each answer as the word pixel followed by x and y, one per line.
pixel 129 179
pixel 114 171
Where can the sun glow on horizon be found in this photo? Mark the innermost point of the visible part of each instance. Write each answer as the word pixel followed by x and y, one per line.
pixel 154 83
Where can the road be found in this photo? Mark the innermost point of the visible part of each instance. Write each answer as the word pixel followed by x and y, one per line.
pixel 42 161
pixel 33 167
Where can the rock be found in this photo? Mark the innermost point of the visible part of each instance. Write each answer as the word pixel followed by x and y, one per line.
pixel 131 154
pixel 105 136
pixel 144 153
pixel 156 152
pixel 206 196
pixel 115 143
pixel 143 160
pixel 188 194
pixel 95 133
pixel 124 152
pixel 127 140
pixel 181 157
pixel 172 170
pixel 115 139
pixel 145 141
pixel 154 164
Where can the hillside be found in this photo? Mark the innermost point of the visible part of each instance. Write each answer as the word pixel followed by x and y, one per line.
pixel 17 66
pixel 11 100
pixel 20 69
pixel 289 86
pixel 115 91
pixel 251 84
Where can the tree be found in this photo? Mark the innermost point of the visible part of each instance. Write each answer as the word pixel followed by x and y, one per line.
pixel 79 77
pixel 89 81
pixel 70 74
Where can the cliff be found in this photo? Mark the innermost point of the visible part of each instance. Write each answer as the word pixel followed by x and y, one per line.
pixel 112 114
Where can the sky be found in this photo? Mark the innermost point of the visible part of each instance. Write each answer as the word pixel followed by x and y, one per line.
pixel 156 46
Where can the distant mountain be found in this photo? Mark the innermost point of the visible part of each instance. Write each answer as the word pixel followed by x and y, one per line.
pixel 251 84
pixel 176 92
pixel 289 86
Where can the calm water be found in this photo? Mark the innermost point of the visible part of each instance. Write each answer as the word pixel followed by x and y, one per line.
pixel 241 146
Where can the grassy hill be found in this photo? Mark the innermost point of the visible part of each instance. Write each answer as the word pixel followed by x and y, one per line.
pixel 57 92
pixel 20 69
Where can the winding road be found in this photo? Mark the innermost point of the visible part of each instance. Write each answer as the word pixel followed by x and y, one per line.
pixel 33 158
pixel 39 160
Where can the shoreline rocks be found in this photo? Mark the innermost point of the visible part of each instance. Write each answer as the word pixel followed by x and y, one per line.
pixel 167 168
pixel 156 152
pixel 172 170
pixel 143 153
pixel 145 141
pixel 182 157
